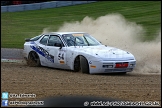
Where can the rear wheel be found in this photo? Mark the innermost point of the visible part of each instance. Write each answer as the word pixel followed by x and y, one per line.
pixel 84 65
pixel 33 59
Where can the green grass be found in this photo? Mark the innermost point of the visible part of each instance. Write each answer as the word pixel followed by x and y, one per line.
pixel 15 26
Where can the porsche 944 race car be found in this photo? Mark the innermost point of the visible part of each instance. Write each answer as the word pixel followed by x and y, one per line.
pixel 77 51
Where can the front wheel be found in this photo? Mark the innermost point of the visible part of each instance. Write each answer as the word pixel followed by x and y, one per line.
pixel 77 64
pixel 84 65
pixel 33 59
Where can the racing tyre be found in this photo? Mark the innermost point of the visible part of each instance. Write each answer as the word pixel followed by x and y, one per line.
pixel 84 65
pixel 33 59
pixel 77 65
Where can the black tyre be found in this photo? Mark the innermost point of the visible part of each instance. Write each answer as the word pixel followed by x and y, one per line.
pixel 84 65
pixel 33 59
pixel 77 64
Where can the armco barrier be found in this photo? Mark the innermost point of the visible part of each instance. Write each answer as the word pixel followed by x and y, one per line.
pixel 43 5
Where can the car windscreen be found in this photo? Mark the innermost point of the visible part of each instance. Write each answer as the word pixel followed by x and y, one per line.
pixel 80 39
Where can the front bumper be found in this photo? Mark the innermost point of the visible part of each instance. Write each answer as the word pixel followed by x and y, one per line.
pixel 109 66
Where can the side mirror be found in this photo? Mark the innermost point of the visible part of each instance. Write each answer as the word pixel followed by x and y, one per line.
pixel 58 45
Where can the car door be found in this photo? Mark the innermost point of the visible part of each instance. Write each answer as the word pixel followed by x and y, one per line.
pixel 57 55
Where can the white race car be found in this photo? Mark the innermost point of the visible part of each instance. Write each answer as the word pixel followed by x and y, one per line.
pixel 77 51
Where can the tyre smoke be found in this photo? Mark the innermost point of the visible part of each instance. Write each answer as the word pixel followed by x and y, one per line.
pixel 114 30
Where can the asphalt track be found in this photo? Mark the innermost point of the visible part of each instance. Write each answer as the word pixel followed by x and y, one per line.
pixel 11 55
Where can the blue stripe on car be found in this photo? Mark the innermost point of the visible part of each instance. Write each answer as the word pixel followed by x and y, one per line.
pixel 41 53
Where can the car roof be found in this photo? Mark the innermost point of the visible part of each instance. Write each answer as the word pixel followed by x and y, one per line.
pixel 60 33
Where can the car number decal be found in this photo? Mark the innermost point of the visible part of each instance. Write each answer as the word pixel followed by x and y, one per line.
pixel 43 52
pixel 61 57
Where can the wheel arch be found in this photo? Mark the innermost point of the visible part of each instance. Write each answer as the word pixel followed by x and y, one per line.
pixel 78 57
pixel 29 54
pixel 32 51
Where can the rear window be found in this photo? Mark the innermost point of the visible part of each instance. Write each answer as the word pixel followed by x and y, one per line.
pixel 44 40
pixel 35 38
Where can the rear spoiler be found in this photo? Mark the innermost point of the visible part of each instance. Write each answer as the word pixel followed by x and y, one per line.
pixel 27 39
